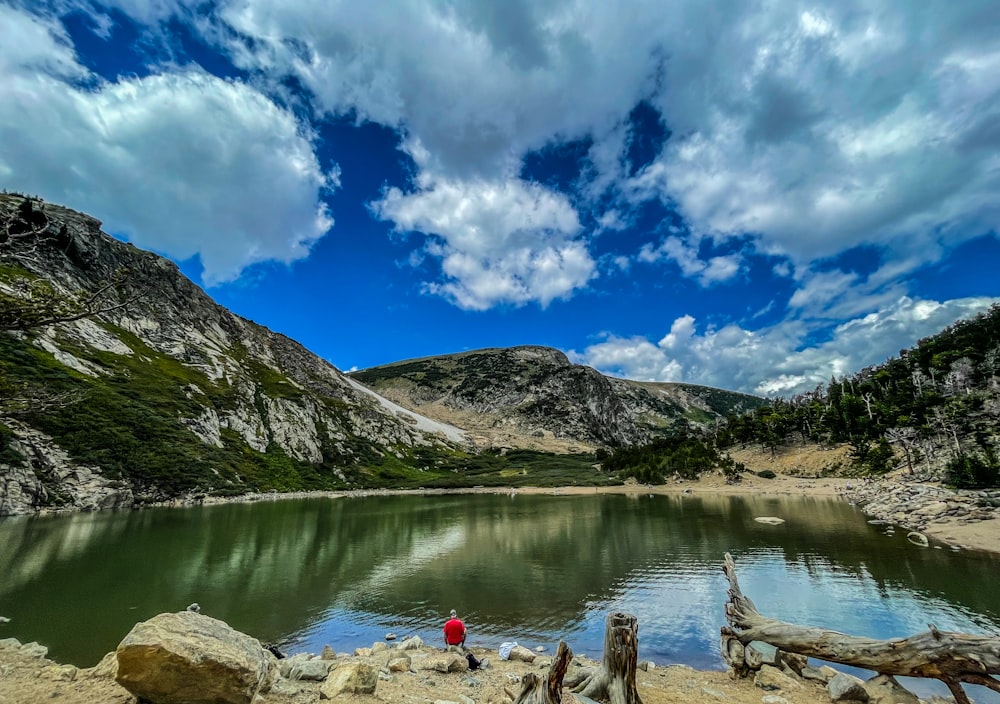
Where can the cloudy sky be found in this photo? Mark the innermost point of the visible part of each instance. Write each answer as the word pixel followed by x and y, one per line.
pixel 750 195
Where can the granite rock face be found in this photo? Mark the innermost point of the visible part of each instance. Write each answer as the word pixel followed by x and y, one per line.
pixel 230 382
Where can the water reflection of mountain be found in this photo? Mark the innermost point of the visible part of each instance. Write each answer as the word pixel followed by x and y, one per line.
pixel 512 564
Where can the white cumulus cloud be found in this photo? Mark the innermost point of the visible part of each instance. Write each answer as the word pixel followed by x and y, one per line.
pixel 499 242
pixel 181 162
pixel 779 360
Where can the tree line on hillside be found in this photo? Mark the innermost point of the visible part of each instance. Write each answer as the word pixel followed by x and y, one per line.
pixel 936 405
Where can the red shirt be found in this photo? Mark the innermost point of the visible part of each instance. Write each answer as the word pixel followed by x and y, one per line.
pixel 454 632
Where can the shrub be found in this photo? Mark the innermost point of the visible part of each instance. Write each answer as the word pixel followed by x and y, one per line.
pixel 973 471
pixel 766 474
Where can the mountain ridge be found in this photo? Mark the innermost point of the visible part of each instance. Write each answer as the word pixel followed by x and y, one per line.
pixel 122 382
pixel 165 359
pixel 512 396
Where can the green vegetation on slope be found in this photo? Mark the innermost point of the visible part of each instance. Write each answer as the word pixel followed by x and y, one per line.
pixel 128 424
pixel 937 405
pixel 685 456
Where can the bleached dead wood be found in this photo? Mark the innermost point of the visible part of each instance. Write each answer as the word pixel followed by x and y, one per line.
pixel 953 658
pixel 614 681
pixel 535 690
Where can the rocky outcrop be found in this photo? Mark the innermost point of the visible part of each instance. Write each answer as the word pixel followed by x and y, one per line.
pixel 917 506
pixel 162 346
pixel 189 658
pixel 47 477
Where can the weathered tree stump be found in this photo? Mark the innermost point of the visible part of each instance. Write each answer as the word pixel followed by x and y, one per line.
pixel 535 690
pixel 952 658
pixel 614 681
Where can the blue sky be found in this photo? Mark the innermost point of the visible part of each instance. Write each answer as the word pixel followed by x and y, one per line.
pixel 754 196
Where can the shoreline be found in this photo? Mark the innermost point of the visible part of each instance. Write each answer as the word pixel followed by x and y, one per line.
pixel 29 677
pixel 980 532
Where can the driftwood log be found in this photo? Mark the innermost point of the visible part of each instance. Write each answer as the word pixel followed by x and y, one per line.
pixel 535 690
pixel 953 658
pixel 614 681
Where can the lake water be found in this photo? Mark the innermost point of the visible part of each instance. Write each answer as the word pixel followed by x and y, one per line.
pixel 304 573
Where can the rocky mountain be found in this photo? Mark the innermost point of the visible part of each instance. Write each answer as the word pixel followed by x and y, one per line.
pixel 535 397
pixel 148 389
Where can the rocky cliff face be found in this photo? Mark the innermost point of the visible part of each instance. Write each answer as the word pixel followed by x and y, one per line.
pixel 534 396
pixel 169 374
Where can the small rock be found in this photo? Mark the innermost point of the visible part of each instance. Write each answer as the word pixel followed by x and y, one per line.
pixel 60 673
pixel 540 649
pixel 412 643
pixel 771 678
pixel 522 654
pixel 285 666
pixel 713 693
pixel 451 663
pixel 773 699
pixel 917 538
pixel 379 647
pixel 815 674
pixel 759 652
pixel 9 644
pixel 362 652
pixel 385 677
pixel 350 678
pixel 795 662
pixel 328 653
pixel 770 520
pixel 513 679
pixel 470 681
pixel 465 700
pixel 846 688
pixel 401 664
pixel 4 619
pixel 315 670
pixel 390 636
pixel 285 688
pixel 885 689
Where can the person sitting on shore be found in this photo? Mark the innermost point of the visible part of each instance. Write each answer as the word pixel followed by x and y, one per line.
pixel 454 632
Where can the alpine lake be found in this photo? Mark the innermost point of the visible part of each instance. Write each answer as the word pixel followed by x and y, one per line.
pixel 302 573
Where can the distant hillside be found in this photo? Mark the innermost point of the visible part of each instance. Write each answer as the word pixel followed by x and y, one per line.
pixel 533 397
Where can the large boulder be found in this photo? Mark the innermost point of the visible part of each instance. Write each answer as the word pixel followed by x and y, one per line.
pixel 189 658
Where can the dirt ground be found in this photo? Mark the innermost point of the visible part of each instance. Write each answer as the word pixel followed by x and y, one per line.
pixel 27 680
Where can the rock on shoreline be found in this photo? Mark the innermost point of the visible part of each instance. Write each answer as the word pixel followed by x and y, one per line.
pixel 922 506
pixel 397 673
